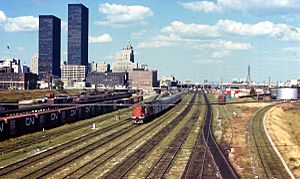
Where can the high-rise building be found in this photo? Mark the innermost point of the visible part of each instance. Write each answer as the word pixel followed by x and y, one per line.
pixel 49 47
pixel 125 60
pixel 35 64
pixel 78 20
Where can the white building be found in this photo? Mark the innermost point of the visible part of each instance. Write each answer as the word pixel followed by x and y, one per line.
pixel 35 65
pixel 71 74
pixel 100 67
pixel 125 60
pixel 12 63
pixel 167 81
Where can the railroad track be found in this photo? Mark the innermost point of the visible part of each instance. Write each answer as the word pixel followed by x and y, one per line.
pixel 53 166
pixel 223 165
pixel 45 137
pixel 160 168
pixel 97 162
pixel 121 169
pixel 36 158
pixel 43 171
pixel 270 163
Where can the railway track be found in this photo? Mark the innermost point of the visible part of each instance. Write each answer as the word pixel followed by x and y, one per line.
pixel 223 165
pixel 271 165
pixel 43 171
pixel 47 136
pixel 160 168
pixel 97 162
pixel 36 158
pixel 58 163
pixel 121 169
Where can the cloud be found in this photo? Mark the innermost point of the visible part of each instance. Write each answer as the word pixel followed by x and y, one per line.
pixel 220 54
pixel 160 41
pixel 20 48
pixel 139 34
pixel 122 15
pixel 266 28
pixel 225 26
pixel 202 6
pixel 104 38
pixel 2 16
pixel 262 7
pixel 18 24
pixel 184 29
pixel 255 7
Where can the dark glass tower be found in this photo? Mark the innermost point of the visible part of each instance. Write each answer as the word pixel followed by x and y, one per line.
pixel 78 20
pixel 49 47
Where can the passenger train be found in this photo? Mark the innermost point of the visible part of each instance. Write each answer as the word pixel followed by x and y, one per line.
pixel 146 112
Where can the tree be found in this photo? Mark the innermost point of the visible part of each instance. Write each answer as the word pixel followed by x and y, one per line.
pixel 252 91
pixel 59 85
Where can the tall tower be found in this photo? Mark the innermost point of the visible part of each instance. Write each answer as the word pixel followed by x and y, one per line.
pixel 49 47
pixel 78 20
pixel 249 75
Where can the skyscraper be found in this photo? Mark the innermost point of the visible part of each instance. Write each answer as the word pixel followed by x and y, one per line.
pixel 49 47
pixel 78 20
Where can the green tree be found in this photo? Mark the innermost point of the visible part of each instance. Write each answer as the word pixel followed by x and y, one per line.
pixel 59 85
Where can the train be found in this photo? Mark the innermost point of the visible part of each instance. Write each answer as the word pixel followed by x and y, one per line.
pixel 13 126
pixel 148 111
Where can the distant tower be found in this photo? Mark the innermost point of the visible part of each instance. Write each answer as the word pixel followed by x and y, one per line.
pixel 249 75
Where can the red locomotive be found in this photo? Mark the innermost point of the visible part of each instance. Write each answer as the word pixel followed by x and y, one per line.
pixel 146 112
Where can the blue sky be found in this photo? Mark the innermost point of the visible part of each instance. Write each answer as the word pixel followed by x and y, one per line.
pixel 193 40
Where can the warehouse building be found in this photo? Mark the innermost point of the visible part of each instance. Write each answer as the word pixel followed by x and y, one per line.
pixel 108 80
pixel 144 79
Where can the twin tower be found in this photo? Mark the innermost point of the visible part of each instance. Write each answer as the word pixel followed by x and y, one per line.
pixel 49 57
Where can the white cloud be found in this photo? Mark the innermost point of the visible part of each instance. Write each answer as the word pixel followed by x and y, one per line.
pixel 184 29
pixel 202 6
pixel 281 31
pixel 264 28
pixel 262 7
pixel 140 33
pixel 227 45
pixel 2 16
pixel 256 7
pixel 117 14
pixel 104 38
pixel 220 54
pixel 20 48
pixel 17 24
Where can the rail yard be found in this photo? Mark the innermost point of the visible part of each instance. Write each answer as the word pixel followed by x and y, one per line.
pixel 190 137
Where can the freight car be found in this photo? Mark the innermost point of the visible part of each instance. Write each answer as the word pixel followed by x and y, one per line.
pixel 13 126
pixel 146 112
pixel 221 100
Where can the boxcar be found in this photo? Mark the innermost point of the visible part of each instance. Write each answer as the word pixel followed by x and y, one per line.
pixel 48 119
pixel 22 124
pixel 68 115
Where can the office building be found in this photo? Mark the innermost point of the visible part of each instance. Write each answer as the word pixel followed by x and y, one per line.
pixel 49 47
pixel 108 80
pixel 71 74
pixel 20 81
pixel 78 20
pixel 99 67
pixel 35 63
pixel 144 79
pixel 12 63
pixel 124 60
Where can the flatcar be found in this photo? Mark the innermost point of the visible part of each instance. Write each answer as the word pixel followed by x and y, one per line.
pixel 146 112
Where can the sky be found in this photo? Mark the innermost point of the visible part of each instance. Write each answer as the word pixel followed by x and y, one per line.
pixel 192 40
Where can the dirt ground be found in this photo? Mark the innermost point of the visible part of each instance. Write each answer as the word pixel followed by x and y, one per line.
pixel 240 154
pixel 283 125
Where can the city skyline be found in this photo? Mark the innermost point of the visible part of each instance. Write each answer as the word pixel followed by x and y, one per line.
pixel 194 40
